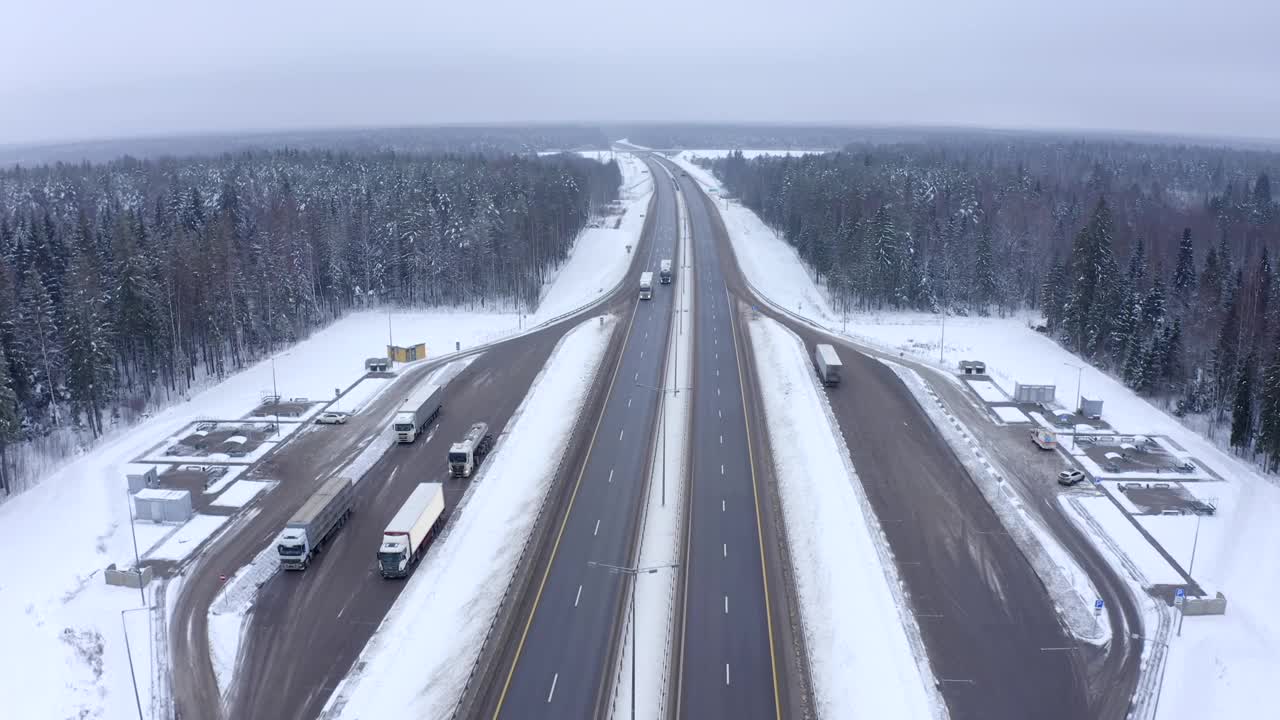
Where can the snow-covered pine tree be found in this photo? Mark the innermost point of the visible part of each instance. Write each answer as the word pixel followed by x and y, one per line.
pixel 1242 406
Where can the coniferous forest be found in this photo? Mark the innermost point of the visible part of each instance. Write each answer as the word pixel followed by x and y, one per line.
pixel 1153 262
pixel 123 284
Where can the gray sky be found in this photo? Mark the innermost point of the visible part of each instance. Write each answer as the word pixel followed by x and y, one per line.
pixel 76 69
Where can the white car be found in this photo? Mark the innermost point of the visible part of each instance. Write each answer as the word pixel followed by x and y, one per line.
pixel 332 418
pixel 1070 477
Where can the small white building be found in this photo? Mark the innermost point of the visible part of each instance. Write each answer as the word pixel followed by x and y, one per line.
pixel 140 476
pixel 162 505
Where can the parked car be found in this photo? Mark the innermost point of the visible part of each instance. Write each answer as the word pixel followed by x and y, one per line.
pixel 332 418
pixel 1199 507
pixel 1070 477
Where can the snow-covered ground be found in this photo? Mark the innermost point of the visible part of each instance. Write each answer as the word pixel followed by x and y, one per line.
pixel 1220 666
pixel 189 537
pixel 241 493
pixel 360 395
pixel 441 619
pixel 1010 414
pixel 600 256
pixel 865 654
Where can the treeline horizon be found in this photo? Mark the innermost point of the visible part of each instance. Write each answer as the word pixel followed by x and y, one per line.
pixel 1153 262
pixel 128 282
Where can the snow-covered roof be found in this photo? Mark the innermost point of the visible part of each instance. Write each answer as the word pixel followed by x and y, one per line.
pixel 162 494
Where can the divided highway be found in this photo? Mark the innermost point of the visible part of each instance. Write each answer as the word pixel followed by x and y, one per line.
pixel 565 637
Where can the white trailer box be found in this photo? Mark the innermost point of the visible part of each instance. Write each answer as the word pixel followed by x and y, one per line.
pixel 828 364
pixel 409 532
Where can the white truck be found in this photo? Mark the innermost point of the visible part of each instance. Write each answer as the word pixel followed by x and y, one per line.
pixel 646 285
pixel 664 272
pixel 465 456
pixel 322 515
pixel 827 363
pixel 409 532
pixel 418 411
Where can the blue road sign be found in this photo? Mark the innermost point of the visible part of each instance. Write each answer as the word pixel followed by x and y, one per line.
pixel 1180 592
pixel 1097 604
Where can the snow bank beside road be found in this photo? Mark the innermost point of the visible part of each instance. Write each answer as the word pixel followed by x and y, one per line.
pixel 440 620
pixel 864 649
pixel 600 258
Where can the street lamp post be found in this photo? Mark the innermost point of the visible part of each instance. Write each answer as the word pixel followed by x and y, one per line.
pixel 662 428
pixel 275 393
pixel 1079 375
pixel 137 563
pixel 1182 611
pixel 633 572
pixel 137 699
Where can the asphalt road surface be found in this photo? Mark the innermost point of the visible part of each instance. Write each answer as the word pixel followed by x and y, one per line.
pixel 566 641
pixel 727 657
pixel 986 620
pixel 309 627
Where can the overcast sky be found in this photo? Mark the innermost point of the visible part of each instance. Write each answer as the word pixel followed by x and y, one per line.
pixel 89 69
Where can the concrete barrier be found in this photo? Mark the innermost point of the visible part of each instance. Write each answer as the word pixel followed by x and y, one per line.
pixel 127 578
pixel 1205 605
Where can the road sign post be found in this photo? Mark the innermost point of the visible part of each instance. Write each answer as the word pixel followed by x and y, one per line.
pixel 1097 607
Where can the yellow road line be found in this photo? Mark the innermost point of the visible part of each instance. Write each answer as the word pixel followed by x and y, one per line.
pixel 555 549
pixel 764 574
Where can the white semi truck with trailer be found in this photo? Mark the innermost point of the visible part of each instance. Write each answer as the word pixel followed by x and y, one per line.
pixel 827 363
pixel 465 456
pixel 407 535
pixel 322 515
pixel 664 272
pixel 646 285
pixel 417 412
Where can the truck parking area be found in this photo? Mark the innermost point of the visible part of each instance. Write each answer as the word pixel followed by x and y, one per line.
pixel 1136 487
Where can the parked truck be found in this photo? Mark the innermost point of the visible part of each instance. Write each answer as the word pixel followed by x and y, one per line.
pixel 417 412
pixel 664 272
pixel 827 363
pixel 465 456
pixel 407 535
pixel 322 515
pixel 646 285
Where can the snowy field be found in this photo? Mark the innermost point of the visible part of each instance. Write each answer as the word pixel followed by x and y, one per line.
pixel 462 580
pixel 1220 666
pixel 860 651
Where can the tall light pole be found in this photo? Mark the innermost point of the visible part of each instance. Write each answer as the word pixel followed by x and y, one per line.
pixel 1182 612
pixel 662 428
pixel 633 572
pixel 137 564
pixel 137 699
pixel 1079 375
pixel 275 393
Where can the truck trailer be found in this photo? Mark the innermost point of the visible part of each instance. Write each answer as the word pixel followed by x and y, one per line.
pixel 465 456
pixel 646 285
pixel 664 272
pixel 407 535
pixel 322 515
pixel 827 363
pixel 418 411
